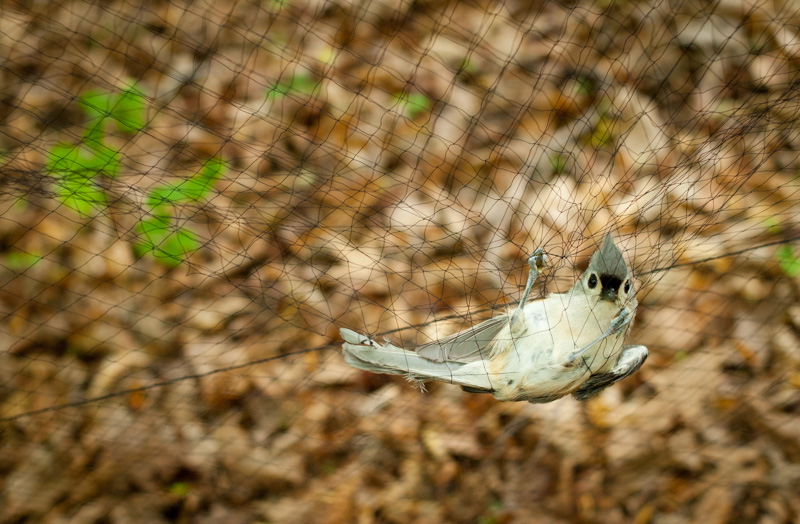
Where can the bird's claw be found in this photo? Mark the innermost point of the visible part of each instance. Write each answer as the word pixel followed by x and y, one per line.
pixel 619 321
pixel 538 259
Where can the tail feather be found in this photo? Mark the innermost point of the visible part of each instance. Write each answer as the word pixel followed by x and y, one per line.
pixel 364 353
pixel 351 337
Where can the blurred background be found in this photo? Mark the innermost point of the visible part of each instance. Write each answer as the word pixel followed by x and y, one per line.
pixel 197 195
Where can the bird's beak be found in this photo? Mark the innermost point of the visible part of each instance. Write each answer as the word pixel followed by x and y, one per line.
pixel 609 294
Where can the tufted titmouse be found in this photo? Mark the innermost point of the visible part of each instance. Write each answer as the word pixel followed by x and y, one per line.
pixel 565 343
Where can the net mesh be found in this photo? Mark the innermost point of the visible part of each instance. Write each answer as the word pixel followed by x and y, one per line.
pixel 196 196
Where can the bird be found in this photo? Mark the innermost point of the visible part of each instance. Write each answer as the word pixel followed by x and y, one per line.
pixel 564 343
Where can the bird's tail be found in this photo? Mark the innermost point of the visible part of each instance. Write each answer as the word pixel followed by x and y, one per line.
pixel 365 353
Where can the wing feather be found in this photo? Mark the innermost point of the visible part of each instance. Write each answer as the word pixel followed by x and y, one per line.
pixel 465 346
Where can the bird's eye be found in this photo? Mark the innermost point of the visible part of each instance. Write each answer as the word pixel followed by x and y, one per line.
pixel 627 286
pixel 592 281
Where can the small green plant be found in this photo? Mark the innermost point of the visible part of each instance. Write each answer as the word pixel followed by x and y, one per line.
pixel 773 225
pixel 160 235
pixel 583 85
pixel 180 489
pixel 20 260
pixel 605 130
pixel 603 133
pixel 76 167
pixel 466 66
pixel 788 260
pixel 494 509
pixel 412 104
pixel 300 83
pixel 558 162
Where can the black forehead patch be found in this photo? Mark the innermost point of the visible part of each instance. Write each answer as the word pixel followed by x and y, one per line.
pixel 610 281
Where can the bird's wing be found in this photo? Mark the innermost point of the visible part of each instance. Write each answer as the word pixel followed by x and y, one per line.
pixel 465 346
pixel 630 359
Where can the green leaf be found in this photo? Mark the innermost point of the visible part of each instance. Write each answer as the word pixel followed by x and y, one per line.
pixel 72 160
pixel 180 489
pixel 155 223
pixel 21 204
pixel 190 190
pixel 168 244
pixel 20 260
pixel 213 169
pixel 80 194
pixel 73 173
pixel 163 214
pixel 773 225
pixel 790 264
pixel 583 85
pixel 96 104
pixel 197 187
pixel 180 243
pixel 412 104
pixel 278 91
pixel 603 133
pixel 163 195
pixel 152 232
pixel 65 159
pixel 558 162
pixel 130 109
pixel 170 194
pixel 176 247
pixel 418 104
pixel 94 134
pixel 466 66
pixel 302 83
pixel 103 160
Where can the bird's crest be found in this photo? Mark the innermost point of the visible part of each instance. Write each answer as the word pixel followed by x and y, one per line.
pixel 608 260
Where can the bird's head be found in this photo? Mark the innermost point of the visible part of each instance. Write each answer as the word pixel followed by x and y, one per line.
pixel 607 277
